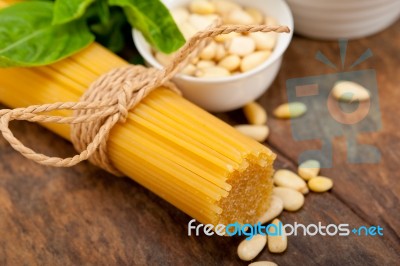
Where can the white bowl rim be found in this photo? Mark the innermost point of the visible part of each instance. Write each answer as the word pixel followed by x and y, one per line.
pixel 276 54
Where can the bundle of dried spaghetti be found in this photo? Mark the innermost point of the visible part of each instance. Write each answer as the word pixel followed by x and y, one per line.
pixel 175 149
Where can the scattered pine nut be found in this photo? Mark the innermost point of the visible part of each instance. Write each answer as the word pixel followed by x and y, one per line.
pixel 257 132
pixel 275 208
pixel 290 110
pixel 255 113
pixel 277 244
pixel 286 178
pixel 349 91
pixel 320 184
pixel 292 199
pixel 309 169
pixel 249 249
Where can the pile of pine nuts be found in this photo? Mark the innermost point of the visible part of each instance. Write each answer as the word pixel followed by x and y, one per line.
pixel 227 54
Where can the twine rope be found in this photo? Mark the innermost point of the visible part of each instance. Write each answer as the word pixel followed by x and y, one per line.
pixel 108 101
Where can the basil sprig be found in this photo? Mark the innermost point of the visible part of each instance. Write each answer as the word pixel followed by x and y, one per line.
pixel 36 33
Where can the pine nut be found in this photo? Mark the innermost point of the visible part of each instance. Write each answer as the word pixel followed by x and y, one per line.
pixel 270 21
pixel 180 15
pixel 220 53
pixel 257 16
pixel 187 30
pixel 292 199
pixel 209 52
pixel 224 7
pixel 320 184
pixel 286 178
pixel 253 60
pixel 205 64
pixel 242 46
pixel 202 7
pixel 264 40
pixel 194 61
pixel 189 70
pixel 349 91
pixel 290 110
pixel 212 72
pixel 275 208
pixel 231 62
pixel 164 59
pixel 263 263
pixel 277 244
pixel 249 249
pixel 257 132
pixel 309 169
pixel 201 22
pixel 226 37
pixel 239 17
pixel 255 113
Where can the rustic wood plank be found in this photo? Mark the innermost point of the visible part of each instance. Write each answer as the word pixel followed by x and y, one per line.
pixel 82 215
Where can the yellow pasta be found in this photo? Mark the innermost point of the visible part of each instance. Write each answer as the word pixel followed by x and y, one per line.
pixel 172 147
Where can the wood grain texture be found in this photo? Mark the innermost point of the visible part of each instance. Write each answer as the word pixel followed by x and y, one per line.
pixel 84 216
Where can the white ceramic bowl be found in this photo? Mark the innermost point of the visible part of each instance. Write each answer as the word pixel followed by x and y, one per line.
pixel 334 19
pixel 229 93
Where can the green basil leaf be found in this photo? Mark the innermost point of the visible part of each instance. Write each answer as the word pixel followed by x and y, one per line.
pixel 27 37
pixel 115 41
pixel 137 59
pixel 111 34
pixel 103 11
pixel 69 10
pixel 155 22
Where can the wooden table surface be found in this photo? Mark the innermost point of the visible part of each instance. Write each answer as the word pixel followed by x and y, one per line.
pixel 84 216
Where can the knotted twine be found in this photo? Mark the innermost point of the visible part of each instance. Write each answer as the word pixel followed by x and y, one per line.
pixel 108 101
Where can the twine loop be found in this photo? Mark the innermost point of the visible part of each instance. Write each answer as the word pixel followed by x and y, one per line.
pixel 124 88
pixel 108 101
